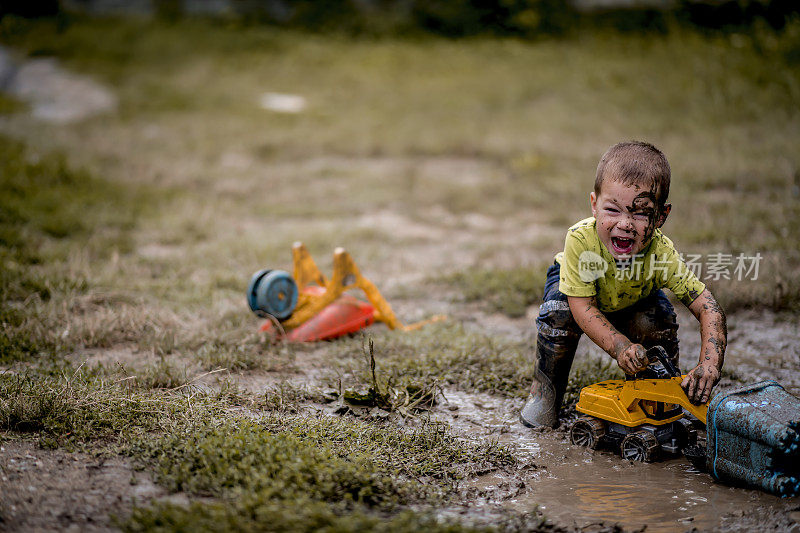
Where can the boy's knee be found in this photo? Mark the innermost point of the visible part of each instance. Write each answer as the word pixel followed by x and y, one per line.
pixel 646 326
pixel 653 323
pixel 555 320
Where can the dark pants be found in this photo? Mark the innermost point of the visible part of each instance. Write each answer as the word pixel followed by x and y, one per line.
pixel 649 322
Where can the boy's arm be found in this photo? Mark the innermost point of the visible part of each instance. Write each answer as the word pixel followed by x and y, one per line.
pixel 714 338
pixel 630 357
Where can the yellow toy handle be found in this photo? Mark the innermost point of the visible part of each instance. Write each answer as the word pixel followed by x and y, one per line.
pixel 346 275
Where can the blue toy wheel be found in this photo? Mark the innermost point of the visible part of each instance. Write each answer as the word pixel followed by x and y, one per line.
pixel 272 292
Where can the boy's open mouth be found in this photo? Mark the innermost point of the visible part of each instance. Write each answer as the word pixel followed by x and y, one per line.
pixel 622 245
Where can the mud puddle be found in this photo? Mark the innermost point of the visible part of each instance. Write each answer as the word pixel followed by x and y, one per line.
pixel 580 487
pixel 574 486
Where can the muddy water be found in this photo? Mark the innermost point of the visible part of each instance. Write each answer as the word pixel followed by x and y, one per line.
pixel 576 486
pixel 582 486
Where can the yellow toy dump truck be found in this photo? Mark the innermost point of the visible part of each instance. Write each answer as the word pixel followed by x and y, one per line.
pixel 643 418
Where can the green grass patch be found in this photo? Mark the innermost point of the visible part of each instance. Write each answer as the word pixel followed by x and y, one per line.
pixel 283 517
pixel 509 291
pixel 24 336
pixel 45 198
pixel 243 457
pixel 289 473
pixel 445 353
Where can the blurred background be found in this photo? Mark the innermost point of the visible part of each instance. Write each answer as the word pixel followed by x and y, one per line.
pixel 452 18
pixel 156 152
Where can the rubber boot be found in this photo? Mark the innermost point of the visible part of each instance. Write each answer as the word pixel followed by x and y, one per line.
pixel 540 409
pixel 555 356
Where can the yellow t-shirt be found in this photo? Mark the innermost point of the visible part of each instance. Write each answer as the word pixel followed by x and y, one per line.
pixel 589 269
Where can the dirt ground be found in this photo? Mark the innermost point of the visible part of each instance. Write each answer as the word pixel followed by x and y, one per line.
pixel 53 490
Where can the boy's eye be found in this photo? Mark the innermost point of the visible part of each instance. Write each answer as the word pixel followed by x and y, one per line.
pixel 612 210
pixel 640 216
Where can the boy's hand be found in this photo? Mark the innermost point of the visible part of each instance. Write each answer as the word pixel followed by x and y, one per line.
pixel 630 357
pixel 700 381
pixel 633 358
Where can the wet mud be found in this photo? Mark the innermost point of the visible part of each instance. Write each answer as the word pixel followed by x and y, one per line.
pixel 575 487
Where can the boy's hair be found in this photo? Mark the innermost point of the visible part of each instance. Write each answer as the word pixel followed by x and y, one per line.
pixel 635 163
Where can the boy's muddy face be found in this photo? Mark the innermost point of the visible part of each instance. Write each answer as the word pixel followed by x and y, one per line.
pixel 627 216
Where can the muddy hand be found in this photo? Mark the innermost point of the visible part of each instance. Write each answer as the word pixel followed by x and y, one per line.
pixel 699 382
pixel 633 359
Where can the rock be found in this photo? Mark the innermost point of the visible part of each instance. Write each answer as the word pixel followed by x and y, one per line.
pixel 282 103
pixel 54 94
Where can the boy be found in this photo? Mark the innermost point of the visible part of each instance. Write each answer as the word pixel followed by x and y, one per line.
pixel 607 283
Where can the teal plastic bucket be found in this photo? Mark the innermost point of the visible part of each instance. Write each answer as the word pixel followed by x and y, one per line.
pixel 754 438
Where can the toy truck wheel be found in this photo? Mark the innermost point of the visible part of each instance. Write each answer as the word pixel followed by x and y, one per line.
pixel 639 446
pixel 696 453
pixel 587 432
pixel 686 433
pixel 272 292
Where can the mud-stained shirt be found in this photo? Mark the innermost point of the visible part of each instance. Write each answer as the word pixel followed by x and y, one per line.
pixel 589 269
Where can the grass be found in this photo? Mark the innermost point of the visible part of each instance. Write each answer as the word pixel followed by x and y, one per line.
pixel 301 471
pixel 305 473
pixel 162 375
pixel 256 354
pixel 47 206
pixel 200 461
pixel 317 471
pixel 509 291
pixel 58 223
pixel 10 105
pixel 246 459
pixel 75 409
pixel 45 198
pixel 287 397
pixel 278 517
pixel 446 354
